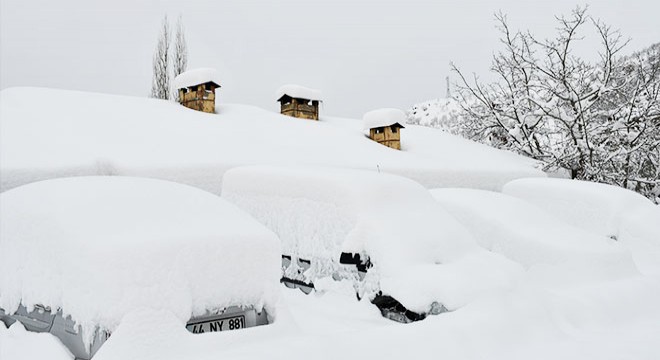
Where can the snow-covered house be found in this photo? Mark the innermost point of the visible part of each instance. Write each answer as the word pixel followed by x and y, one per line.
pixel 384 126
pixel 299 101
pixel 196 89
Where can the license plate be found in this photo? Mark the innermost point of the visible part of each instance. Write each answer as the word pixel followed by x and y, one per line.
pixel 231 323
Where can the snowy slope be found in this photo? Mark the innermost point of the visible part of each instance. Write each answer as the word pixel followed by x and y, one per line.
pixel 70 133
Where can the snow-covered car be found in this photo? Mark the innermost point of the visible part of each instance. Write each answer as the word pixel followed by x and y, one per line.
pixel 600 209
pixel 383 232
pixel 535 238
pixel 78 254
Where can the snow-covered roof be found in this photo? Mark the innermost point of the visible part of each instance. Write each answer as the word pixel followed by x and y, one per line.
pixel 297 91
pixel 383 117
pixel 196 77
pixel 100 247
pixel 179 145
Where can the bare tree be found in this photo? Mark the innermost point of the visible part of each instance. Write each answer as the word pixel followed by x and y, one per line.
pixel 160 83
pixel 594 119
pixel 180 56
pixel 630 146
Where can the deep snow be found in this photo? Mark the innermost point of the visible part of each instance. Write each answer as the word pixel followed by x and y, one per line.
pixel 17 343
pixel 195 77
pixel 383 117
pixel 579 295
pixel 535 238
pixel 298 91
pixel 605 321
pixel 600 209
pixel 420 254
pixel 100 247
pixel 74 133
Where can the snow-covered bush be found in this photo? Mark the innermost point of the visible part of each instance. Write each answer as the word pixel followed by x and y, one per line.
pixel 440 113
pixel 600 120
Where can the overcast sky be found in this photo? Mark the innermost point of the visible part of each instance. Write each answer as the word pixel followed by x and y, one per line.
pixel 362 54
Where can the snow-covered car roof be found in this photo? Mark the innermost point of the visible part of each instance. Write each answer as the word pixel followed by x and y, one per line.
pixel 531 236
pixel 383 117
pixel 99 247
pixel 420 253
pixel 598 208
pixel 196 77
pixel 297 91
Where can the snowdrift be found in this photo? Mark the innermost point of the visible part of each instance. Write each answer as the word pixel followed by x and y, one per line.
pixel 101 247
pixel 75 133
pixel 16 343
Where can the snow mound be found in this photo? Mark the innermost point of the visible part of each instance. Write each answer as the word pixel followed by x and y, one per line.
pixel 297 91
pixel 535 238
pixel 420 253
pixel 16 343
pixel 595 207
pixel 196 77
pixel 640 231
pixel 383 117
pixel 98 247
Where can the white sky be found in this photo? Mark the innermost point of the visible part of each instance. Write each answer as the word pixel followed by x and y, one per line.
pixel 362 54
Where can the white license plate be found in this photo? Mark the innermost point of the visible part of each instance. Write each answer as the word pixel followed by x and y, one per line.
pixel 231 323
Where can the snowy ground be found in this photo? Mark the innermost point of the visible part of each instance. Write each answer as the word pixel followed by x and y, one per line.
pixel 600 308
pixel 589 282
pixel 532 322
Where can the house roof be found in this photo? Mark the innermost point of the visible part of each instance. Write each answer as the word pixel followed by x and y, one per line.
pixel 299 92
pixel 196 77
pixel 383 117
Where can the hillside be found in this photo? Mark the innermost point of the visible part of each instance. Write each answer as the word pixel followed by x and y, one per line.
pixel 47 133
